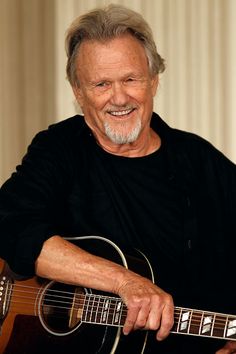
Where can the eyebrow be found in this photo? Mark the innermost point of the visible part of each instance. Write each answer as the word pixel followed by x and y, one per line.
pixel 125 76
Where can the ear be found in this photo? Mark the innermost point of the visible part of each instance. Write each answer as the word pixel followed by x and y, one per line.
pixel 154 84
pixel 78 95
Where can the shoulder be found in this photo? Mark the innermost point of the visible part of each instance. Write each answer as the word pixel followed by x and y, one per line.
pixel 62 134
pixel 201 151
pixel 56 146
pixel 75 124
pixel 194 155
pixel 69 127
pixel 191 144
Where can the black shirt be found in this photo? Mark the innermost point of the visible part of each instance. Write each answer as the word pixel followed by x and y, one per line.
pixel 177 205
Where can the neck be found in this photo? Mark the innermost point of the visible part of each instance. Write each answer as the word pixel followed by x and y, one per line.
pixel 143 146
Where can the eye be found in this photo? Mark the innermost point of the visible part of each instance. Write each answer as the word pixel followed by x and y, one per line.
pixel 130 79
pixel 102 84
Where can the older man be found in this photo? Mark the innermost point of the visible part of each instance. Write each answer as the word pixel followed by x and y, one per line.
pixel 119 171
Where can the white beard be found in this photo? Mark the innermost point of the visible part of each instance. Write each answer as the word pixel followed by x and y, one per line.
pixel 120 136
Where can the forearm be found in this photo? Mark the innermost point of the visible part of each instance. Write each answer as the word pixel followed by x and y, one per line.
pixel 148 306
pixel 63 261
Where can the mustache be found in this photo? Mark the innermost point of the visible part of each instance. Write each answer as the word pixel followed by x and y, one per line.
pixel 115 108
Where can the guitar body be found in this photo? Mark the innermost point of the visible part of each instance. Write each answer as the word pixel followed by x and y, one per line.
pixel 40 316
pixel 13 321
pixel 46 323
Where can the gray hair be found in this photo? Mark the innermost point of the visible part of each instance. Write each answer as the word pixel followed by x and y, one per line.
pixel 105 23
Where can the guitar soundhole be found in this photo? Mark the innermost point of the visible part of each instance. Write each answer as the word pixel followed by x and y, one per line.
pixel 60 308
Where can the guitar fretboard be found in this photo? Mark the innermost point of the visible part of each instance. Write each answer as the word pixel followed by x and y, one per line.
pixel 204 323
pixel 112 311
pixel 104 310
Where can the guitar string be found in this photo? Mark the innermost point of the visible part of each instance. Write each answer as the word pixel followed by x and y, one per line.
pixel 109 320
pixel 82 296
pixel 195 315
pixel 89 313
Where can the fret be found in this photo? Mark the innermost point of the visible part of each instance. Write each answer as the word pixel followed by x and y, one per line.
pixel 207 324
pixel 200 326
pixel 85 308
pixel 179 320
pixel 113 310
pixel 230 332
pixel 190 321
pixel 219 326
pixel 101 307
pixel 117 312
pixel 213 324
pixel 104 314
pixel 225 327
pixel 109 315
pixel 82 311
pixel 196 322
pixel 122 316
pixel 183 321
pixel 92 313
pixel 96 318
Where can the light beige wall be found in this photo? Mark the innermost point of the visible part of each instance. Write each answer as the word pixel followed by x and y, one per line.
pixel 197 92
pixel 27 76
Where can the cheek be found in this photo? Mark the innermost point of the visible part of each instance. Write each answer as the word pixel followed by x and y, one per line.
pixel 143 97
pixel 93 109
pixel 95 102
pixel 142 93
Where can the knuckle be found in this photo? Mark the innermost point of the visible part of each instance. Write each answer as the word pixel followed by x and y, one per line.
pixel 168 324
pixel 157 300
pixel 153 326
pixel 141 323
pixel 169 299
pixel 129 323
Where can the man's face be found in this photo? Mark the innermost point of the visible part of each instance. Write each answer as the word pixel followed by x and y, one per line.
pixel 115 89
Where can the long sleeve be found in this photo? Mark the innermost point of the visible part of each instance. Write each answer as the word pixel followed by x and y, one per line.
pixel 29 200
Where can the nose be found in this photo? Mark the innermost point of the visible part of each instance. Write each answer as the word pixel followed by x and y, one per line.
pixel 119 96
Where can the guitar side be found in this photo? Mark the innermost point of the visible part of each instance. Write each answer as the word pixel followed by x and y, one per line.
pixel 13 311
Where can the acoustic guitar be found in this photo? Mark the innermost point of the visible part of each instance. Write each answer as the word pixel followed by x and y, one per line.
pixel 67 312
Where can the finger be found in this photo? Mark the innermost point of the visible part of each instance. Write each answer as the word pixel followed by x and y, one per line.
pixel 231 345
pixel 154 318
pixel 130 320
pixel 229 348
pixel 167 322
pixel 142 318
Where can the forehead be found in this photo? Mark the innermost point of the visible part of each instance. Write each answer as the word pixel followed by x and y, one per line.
pixel 118 54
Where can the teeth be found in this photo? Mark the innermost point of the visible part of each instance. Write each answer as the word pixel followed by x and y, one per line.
pixel 121 113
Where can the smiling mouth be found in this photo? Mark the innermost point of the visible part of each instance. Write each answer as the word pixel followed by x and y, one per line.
pixel 121 113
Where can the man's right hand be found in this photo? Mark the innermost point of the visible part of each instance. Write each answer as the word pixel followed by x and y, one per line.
pixel 149 307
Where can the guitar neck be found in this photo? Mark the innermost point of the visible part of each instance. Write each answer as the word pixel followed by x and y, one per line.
pixel 204 323
pixel 112 311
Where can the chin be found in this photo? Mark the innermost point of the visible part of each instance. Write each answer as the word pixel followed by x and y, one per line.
pixel 123 136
